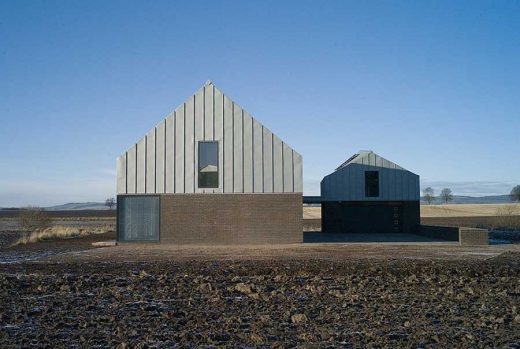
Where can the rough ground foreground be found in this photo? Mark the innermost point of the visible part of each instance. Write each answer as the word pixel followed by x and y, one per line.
pixel 288 302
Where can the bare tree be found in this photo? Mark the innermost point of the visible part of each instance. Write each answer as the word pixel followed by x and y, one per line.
pixel 515 194
pixel 446 195
pixel 110 202
pixel 429 195
pixel 33 218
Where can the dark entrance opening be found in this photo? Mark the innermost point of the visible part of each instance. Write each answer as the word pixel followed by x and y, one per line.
pixel 369 217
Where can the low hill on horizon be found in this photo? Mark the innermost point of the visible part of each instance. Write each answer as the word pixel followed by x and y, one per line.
pixel 76 206
pixel 460 199
pixel 457 199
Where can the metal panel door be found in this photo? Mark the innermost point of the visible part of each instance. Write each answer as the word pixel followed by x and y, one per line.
pixel 138 218
pixel 397 218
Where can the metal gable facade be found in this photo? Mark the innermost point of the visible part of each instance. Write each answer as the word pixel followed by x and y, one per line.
pixel 347 183
pixel 251 158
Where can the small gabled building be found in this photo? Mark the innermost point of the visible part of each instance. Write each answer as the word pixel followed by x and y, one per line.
pixel 209 173
pixel 370 194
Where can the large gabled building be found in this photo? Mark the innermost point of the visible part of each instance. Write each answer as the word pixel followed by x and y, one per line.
pixel 370 194
pixel 210 173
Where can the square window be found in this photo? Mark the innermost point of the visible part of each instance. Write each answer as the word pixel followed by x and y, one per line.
pixel 371 184
pixel 208 165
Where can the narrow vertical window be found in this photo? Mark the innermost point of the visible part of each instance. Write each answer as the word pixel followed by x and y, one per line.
pixel 371 184
pixel 208 164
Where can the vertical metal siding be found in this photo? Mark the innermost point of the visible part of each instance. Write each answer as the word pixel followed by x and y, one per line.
pixel 251 158
pixel 247 135
pixel 277 165
pixel 160 154
pixel 238 149
pixel 298 172
pixel 189 146
pixel 199 122
pixel 288 185
pixel 219 132
pixel 348 183
pixel 228 146
pixel 150 161
pixel 179 150
pixel 209 114
pixel 169 164
pixel 140 166
pixel 258 167
pixel 121 174
pixel 268 161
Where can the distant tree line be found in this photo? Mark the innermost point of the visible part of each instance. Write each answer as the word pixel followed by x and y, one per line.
pixel 446 195
pixel 110 202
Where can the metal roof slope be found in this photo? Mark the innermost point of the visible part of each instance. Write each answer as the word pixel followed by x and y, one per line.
pixel 368 157
pixel 209 83
pixel 251 158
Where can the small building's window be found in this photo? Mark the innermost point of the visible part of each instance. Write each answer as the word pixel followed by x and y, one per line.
pixel 371 184
pixel 208 164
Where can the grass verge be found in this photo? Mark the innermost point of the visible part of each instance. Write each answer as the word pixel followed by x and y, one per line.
pixel 59 232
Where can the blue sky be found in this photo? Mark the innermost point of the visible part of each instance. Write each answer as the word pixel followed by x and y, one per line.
pixel 433 86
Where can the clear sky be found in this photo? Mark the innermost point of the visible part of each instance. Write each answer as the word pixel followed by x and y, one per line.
pixel 431 85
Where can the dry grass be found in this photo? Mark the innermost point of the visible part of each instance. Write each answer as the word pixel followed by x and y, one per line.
pixel 507 218
pixel 311 212
pixel 61 232
pixel 468 210
pixel 462 210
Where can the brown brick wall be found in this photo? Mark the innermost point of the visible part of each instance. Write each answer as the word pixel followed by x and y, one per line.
pixel 231 218
pixel 473 237
pixel 465 236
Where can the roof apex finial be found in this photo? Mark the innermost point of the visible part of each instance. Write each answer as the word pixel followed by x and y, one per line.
pixel 208 82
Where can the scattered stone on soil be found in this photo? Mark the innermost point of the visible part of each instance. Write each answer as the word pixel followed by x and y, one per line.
pixel 110 243
pixel 279 303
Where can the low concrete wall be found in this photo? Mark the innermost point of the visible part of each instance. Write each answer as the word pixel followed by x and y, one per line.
pixel 465 236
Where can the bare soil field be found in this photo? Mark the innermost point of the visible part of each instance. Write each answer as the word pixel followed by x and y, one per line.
pixel 9 233
pixel 68 294
pixel 272 302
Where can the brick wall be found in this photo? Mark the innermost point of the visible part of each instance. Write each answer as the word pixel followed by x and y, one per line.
pixel 231 218
pixel 465 236
pixel 473 237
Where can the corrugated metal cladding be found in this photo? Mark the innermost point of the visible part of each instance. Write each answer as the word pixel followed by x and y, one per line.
pixel 347 183
pixel 251 158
